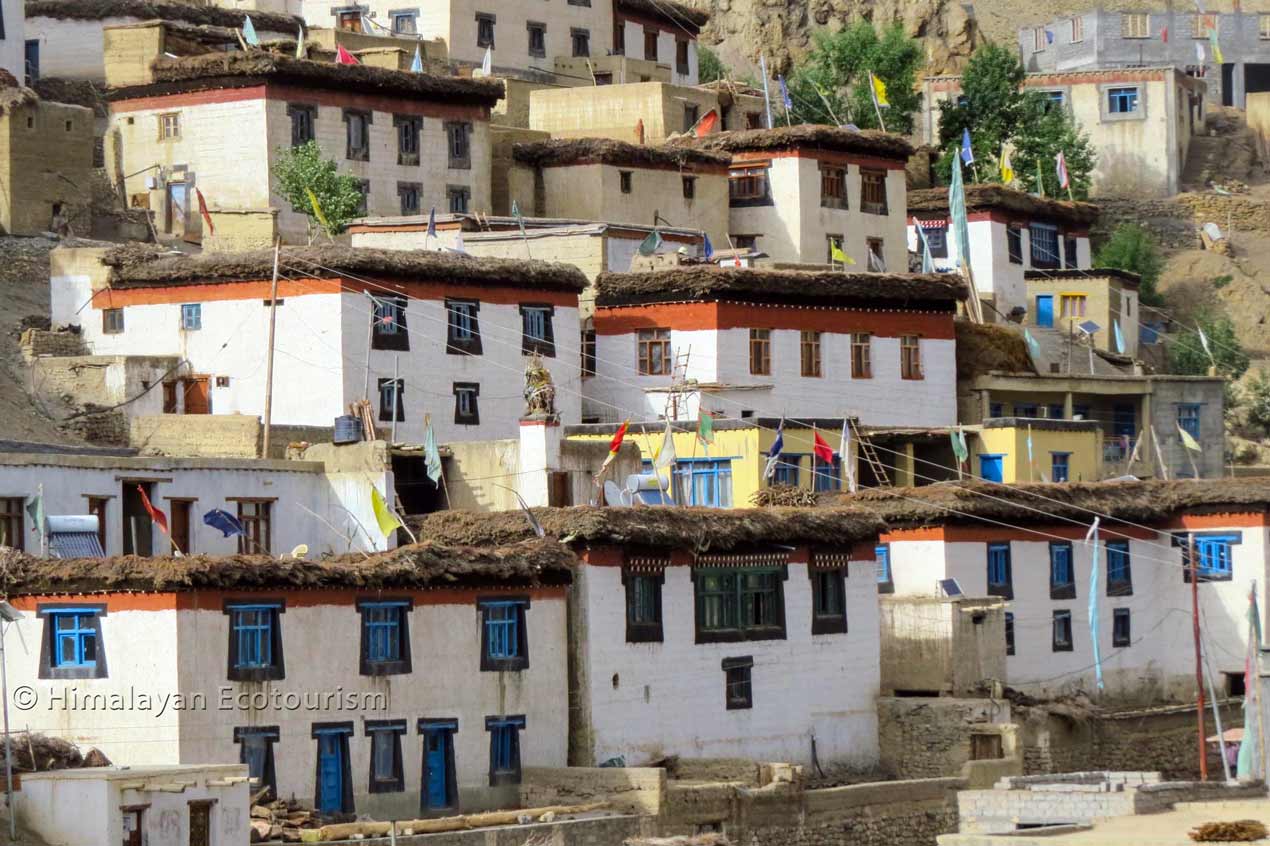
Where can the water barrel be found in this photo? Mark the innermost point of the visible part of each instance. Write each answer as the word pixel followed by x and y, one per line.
pixel 348 430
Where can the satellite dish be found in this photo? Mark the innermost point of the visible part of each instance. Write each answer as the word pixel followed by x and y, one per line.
pixel 613 495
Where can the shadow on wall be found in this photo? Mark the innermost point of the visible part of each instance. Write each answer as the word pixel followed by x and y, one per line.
pixel 1120 173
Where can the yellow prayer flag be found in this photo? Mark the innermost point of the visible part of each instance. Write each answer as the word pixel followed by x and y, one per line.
pixel 387 520
pixel 317 209
pixel 879 91
pixel 1007 172
pixel 1189 441
pixel 836 253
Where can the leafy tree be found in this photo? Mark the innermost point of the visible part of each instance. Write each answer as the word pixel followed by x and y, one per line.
pixel 998 112
pixel 1133 248
pixel 1187 355
pixel 837 71
pixel 1257 396
pixel 710 67
pixel 299 170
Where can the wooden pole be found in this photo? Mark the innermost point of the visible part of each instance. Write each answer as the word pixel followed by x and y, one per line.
pixel 370 338
pixel 1199 661
pixel 873 95
pixel 273 322
pixel 396 394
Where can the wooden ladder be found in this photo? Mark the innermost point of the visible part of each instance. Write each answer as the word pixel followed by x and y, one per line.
pixel 678 383
pixel 864 447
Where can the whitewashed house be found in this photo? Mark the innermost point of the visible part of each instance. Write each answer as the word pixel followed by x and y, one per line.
pixel 706 633
pixel 1012 235
pixel 993 542
pixel 799 193
pixel 417 333
pixel 412 682
pixel 770 343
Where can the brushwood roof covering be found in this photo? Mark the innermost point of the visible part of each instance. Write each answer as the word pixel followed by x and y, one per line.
pixel 199 14
pixel 987 197
pixel 809 136
pixel 566 151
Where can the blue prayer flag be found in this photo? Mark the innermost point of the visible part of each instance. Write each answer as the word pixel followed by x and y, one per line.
pixel 432 223
pixel 967 154
pixel 707 249
pixel 789 104
pixel 224 522
pixel 249 32
pixel 774 454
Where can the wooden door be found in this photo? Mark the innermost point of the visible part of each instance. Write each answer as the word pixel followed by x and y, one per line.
pixel 200 824
pixel 330 774
pixel 198 398
pixel 132 827
pixel 180 518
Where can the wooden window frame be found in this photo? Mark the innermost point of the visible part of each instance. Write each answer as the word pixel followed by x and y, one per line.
pixel 873 191
pixel 1062 622
pixel 472 417
pixel 760 352
pixel 112 321
pixel 13 509
pixel 538 29
pixel 409 135
pixel 1135 31
pixel 911 358
pixel 357 118
pixel 738 683
pixel 833 186
pixel 646 342
pixel 169 126
pixel 861 355
pixel 638 630
pixel 731 601
pixel 809 343
pixel 265 520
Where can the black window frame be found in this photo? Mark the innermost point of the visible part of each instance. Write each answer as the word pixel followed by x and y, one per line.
pixel 1120 587
pixel 268 736
pixel 831 622
pixel 775 630
pixel 1003 589
pixel 343 730
pixel 1009 633
pixel 689 187
pixel 1121 628
pixel 576 33
pixel 738 683
pixel 409 131
pixel 625 179
pixel 545 346
pixel 483 20
pixel 520 661
pixel 692 114
pixel 1014 243
pixel 1061 619
pixel 1070 251
pixel 458 141
pixel 454 345
pixel 643 631
pixel 458 198
pixel 303 123
pixel 473 417
pixel 277 669
pixel 49 612
pixel 411 196
pixel 515 723
pixel 386 384
pixel 538 28
pixel 402 664
pixel 386 731
pixel 352 152
pixel 1063 590
pixel 382 340
pixel 112 321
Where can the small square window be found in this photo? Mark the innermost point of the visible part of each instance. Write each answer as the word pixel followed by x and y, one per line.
pixel 1134 25
pixel 1062 626
pixel 1120 631
pixel 404 23
pixel 350 21
pixel 169 126
pixel 74 637
pixel 738 691
pixel 653 352
pixel 1122 100
pixel 112 321
pixel 192 317
pixel 392 395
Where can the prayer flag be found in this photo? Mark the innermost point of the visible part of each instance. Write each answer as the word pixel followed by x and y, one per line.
pixel 299 41
pixel 1119 336
pixel 1199 52
pixel 967 152
pixel 789 104
pixel 249 32
pixel 820 448
pixel 774 454
pixel 879 92
pixel 705 427
pixel 650 244
pixel 343 57
pixel 1164 35
pixel 928 263
pixel 1203 339
pixel 202 210
pixel 1093 600
pixel 159 518
pixel 432 223
pixel 224 522
pixel 417 65
pixel 844 450
pixel 1248 765
pixel 1060 166
pixel 1188 440
pixel 666 455
pixel 487 64
pixel 1049 36
pixel 1007 172
pixel 1030 457
pixel 431 455
pixel 615 445
pixel 836 253
pixel 1212 40
pixel 707 124
pixel 384 516
pixel 35 509
pixel 957 211
pixel 529 516
pixel 707 249
pixel 1032 345
pixel 959 448
pixel 317 209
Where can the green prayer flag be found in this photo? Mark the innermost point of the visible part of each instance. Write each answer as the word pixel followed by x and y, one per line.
pixel 957 211
pixel 959 445
pixel 705 428
pixel 35 508
pixel 650 244
pixel 431 455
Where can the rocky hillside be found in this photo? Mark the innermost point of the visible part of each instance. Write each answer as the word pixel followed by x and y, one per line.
pixel 740 30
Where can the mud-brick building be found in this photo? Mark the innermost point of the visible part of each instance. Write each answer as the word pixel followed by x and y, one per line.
pixel 46 163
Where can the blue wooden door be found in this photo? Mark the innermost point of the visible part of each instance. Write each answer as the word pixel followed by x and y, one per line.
pixel 991 468
pixel 330 774
pixel 1045 310
pixel 437 788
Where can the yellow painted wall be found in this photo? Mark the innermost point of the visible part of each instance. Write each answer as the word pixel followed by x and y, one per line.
pixel 1083 464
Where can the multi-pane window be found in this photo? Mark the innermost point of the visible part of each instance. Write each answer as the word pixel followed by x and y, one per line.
pixel 408 129
pixel 409 195
pixel 738 690
pixel 169 126
pixel 1039 39
pixel 357 135
pixel 537 39
pixel 463 331
pixel 404 23
pixel 504 644
pixel 581 41
pixel 1134 25
pixel 1188 418
pixel 654 352
pixel 588 352
pixel 1062 571
pixel 252 633
pixel 192 317
pixel 681 57
pixel 111 321
pixel 1044 245
pixel 809 343
pixel 1214 555
pixel 707 481
pixel 303 120
pixel 382 622
pixel 1062 627
pixel 1072 305
pixel 484 30
pixel 457 198
pixel 466 410
pixel 1014 243
pixel 388 331
pixel 1059 462
pixel 747 185
pixel 74 636
pixel 785 471
pixel 741 604
pixel 256 517
pixel 861 355
pixel 1122 101
pixel 537 334
pixel 826 476
pixel 828 601
pixel 761 352
pixel 459 141
pixel 1078 30
pixel 1119 570
pixel 910 357
pixel 349 21
pixel 872 191
pixel 643 606
pixel 392 400
pixel 1000 576
pixel 1121 634
pixel 833 187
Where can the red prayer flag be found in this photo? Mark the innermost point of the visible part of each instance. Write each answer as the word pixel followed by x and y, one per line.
pixel 706 125
pixel 159 518
pixel 343 57
pixel 202 209
pixel 820 447
pixel 618 437
pixel 1164 35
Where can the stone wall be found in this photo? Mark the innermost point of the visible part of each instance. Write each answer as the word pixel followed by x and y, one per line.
pixel 106 428
pixel 930 737
pixel 636 790
pixel 219 435
pixel 590 831
pixel 41 342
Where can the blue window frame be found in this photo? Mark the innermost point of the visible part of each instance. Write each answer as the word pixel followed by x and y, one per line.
pixel 882 553
pixel 827 477
pixel 787 467
pixel 1062 571
pixel 74 639
pixel 252 627
pixel 1053 99
pixel 707 481
pixel 1000 578
pixel 1044 238
pixel 1058 466
pixel 535 323
pixel 1188 418
pixel 504 749
pixel 537 334
pixel 1119 572
pixel 1122 101
pixel 385 636
pixel 192 317
pixel 504 644
pixel 1214 555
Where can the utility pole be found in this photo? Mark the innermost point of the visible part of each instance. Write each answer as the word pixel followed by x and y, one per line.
pixel 273 322
pixel 1199 665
